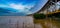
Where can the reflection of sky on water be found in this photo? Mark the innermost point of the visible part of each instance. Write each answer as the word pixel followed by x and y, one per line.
pixel 20 7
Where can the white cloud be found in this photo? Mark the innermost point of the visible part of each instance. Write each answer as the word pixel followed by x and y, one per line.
pixel 20 7
pixel 17 6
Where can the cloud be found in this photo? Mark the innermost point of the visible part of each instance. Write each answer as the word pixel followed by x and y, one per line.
pixel 17 6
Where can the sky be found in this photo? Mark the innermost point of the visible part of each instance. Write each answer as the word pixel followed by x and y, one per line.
pixel 20 7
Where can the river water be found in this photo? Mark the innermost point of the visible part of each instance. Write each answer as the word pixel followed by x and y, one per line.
pixel 16 22
pixel 21 22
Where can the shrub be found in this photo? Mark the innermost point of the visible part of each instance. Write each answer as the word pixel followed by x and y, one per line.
pixel 50 15
pixel 39 16
pixel 56 15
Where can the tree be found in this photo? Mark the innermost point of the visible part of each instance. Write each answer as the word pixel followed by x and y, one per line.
pixel 39 16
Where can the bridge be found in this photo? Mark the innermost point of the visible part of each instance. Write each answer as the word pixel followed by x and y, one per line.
pixel 57 11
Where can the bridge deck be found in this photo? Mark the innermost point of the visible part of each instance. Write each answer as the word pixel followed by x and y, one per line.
pixel 53 12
